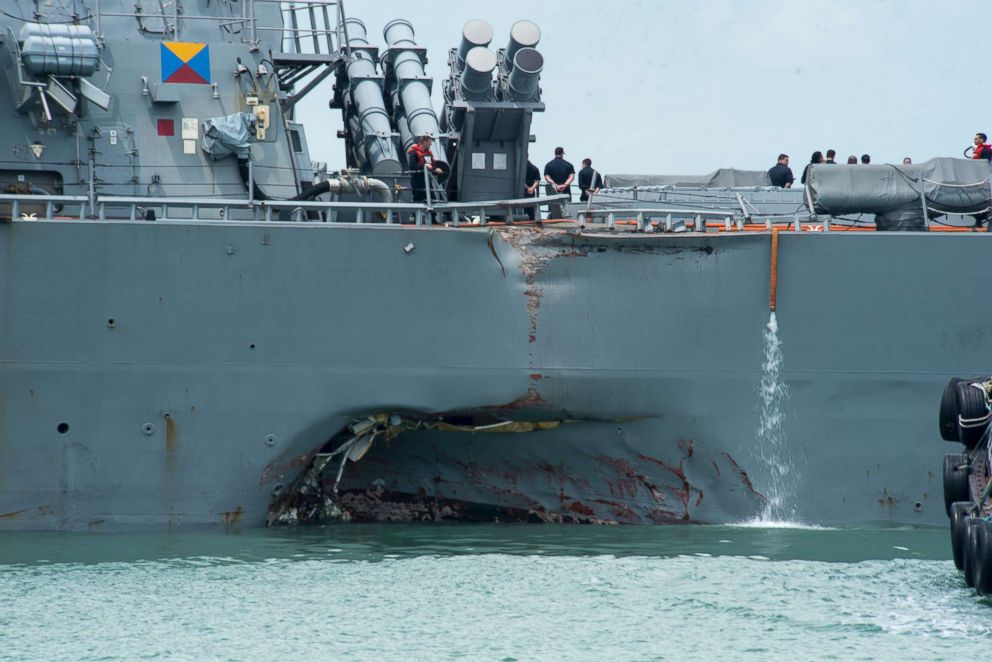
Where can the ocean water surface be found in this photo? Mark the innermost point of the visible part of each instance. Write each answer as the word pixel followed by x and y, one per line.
pixel 490 592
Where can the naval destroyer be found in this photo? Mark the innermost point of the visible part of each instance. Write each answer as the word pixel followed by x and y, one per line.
pixel 205 324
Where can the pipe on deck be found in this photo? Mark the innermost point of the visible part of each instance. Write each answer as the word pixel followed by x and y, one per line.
pixel 340 185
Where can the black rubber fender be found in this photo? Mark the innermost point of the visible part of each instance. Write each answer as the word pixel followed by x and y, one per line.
pixel 983 558
pixel 959 512
pixel 949 411
pixel 971 525
pixel 973 414
pixel 956 486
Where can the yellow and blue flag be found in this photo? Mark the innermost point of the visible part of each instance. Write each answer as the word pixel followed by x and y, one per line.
pixel 185 62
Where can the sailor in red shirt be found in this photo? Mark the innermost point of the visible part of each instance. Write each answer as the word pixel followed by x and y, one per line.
pixel 982 148
pixel 417 157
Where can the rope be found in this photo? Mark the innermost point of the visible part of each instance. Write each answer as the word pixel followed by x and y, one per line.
pixel 946 185
pixel 959 213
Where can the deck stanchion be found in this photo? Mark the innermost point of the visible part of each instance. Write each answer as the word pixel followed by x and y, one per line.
pixel 427 194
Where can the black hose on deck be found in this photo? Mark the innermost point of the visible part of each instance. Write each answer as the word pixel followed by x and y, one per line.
pixel 312 192
pixel 243 170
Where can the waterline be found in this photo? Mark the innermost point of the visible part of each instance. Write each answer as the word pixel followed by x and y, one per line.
pixel 763 523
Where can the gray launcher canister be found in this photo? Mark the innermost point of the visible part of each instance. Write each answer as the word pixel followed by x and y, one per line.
pixel 368 121
pixel 413 87
pixel 523 34
pixel 476 81
pixel 476 33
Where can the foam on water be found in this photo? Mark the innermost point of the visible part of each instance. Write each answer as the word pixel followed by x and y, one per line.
pixel 761 523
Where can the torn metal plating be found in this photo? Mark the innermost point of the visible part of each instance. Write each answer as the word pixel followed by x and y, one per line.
pixel 308 501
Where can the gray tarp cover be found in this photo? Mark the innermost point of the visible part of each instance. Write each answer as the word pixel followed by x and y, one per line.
pixel 223 136
pixel 722 178
pixel 953 186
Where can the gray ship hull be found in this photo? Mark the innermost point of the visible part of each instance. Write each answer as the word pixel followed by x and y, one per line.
pixel 180 374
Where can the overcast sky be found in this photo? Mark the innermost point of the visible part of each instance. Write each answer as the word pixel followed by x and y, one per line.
pixel 683 87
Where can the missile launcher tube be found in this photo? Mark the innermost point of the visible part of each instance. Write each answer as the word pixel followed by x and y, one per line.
pixel 476 81
pixel 476 33
pixel 406 136
pixel 525 76
pixel 491 116
pixel 523 34
pixel 370 126
pixel 414 91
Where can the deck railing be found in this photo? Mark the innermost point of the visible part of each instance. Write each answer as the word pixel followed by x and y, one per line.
pixel 27 207
pixel 128 208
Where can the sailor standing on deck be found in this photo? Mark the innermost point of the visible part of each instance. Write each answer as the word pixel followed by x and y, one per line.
pixel 417 157
pixel 982 148
pixel 532 179
pixel 559 174
pixel 780 174
pixel 589 180
pixel 816 159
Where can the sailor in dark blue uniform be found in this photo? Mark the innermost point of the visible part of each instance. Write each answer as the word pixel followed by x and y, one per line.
pixel 532 180
pixel 590 181
pixel 558 173
pixel 780 173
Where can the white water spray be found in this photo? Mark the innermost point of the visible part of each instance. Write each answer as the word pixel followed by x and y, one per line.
pixel 773 447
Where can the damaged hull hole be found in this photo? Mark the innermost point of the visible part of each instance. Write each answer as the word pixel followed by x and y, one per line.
pixel 478 467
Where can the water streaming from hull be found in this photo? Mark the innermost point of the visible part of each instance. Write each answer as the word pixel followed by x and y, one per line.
pixel 772 442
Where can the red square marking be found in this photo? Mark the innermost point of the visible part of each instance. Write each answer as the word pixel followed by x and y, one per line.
pixel 166 127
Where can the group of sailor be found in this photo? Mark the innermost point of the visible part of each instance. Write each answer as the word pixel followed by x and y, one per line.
pixel 558 175
pixel 781 175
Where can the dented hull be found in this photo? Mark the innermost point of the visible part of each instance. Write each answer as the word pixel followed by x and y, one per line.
pixel 178 374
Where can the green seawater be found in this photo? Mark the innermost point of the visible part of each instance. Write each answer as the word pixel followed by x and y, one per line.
pixel 490 592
